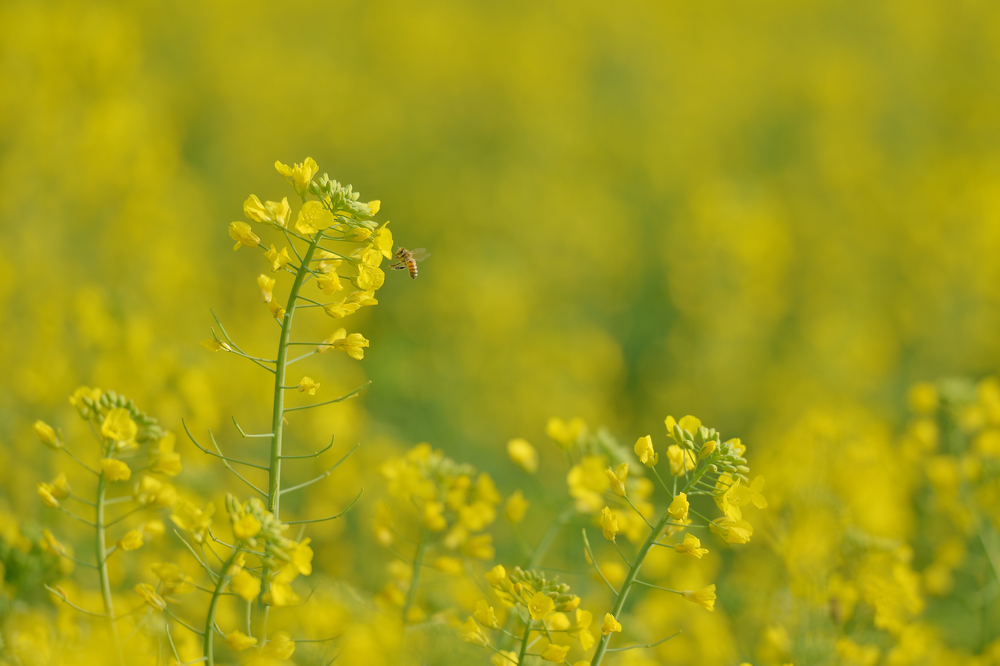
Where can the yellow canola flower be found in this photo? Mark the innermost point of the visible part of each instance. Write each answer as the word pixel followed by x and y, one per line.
pixel 51 545
pixel 280 647
pixel 115 470
pixel 329 283
pixel 46 434
pixel 556 653
pixel 644 449
pixel 278 260
pixel 266 285
pixel 486 615
pixel 277 311
pixel 516 507
pixel 448 565
pixel 238 641
pixel 213 345
pixel 369 278
pixel 434 519
pixel 131 541
pixel 272 212
pixel 255 210
pixel 301 557
pixel 471 632
pixel 152 491
pixel 246 585
pixel 308 385
pixel 496 576
pixel 563 433
pixel 610 624
pixel 246 527
pixel 681 460
pixel 617 478
pixel 280 594
pixel 193 520
pixel 163 459
pixel 243 235
pixel 118 426
pixel 374 206
pixel 707 449
pixel 705 597
pixel 313 217
pixel 609 524
pixel 149 595
pixel 59 487
pixel 523 454
pixel 679 508
pixel 300 174
pixel 732 531
pixel 588 483
pixel 690 546
pixel 382 239
pixel 172 579
pixel 341 309
pixel 540 605
pixel 480 547
pixel 45 493
pixel 354 344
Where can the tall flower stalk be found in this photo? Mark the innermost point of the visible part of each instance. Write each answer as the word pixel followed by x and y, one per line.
pixel 334 241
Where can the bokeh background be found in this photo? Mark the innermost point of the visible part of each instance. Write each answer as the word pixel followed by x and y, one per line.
pixel 751 212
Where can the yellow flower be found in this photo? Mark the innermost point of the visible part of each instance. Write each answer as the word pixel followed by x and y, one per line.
pixel 277 259
pixel 83 393
pixel 471 632
pixel 448 565
pixel 480 547
pixel 277 311
pixel 617 478
pixel 382 240
pixel 354 344
pixel 553 652
pixel 59 487
pixel 434 519
pixel 313 217
pixel 51 545
pixel 115 470
pixel 162 457
pixel 172 579
pixel 486 616
pixel 496 576
pixel 374 206
pixel 609 524
pixel 243 235
pixel 151 490
pixel 733 531
pixel 118 426
pixel 610 624
pixel 644 449
pixel 150 596
pixel 214 345
pixel 280 647
pixel 266 285
pixel 45 433
pixel 681 460
pixel 246 527
pixel 307 384
pixel 516 507
pixel 255 210
pixel 300 174
pixel 45 492
pixel 191 519
pixel 369 278
pixel 131 541
pixel 153 528
pixel 246 585
pixel 691 546
pixel 563 433
pixel 238 641
pixel 280 594
pixel 540 605
pixel 301 557
pixel 341 309
pixel 329 283
pixel 704 597
pixel 523 455
pixel 587 483
pixel 707 449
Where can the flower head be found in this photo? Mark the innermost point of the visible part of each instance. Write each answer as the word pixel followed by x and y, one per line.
pixel 705 597
pixel 46 434
pixel 119 427
pixel 556 653
pixel 644 449
pixel 516 507
pixel 540 605
pixel 523 454
pixel 131 541
pixel 610 624
pixel 690 546
pixel 609 524
pixel 300 174
pixel 238 641
pixel 149 595
pixel 243 235
pixel 115 470
pixel 308 385
pixel 617 478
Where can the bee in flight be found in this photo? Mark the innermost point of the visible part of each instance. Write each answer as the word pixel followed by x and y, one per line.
pixel 408 259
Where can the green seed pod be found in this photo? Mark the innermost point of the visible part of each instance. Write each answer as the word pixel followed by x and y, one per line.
pixel 678 433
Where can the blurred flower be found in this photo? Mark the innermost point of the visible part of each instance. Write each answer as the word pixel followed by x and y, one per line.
pixel 516 507
pixel 238 641
pixel 644 449
pixel 523 455
pixel 46 434
pixel 704 597
pixel 609 524
pixel 617 478
pixel 131 541
pixel 115 470
pixel 690 546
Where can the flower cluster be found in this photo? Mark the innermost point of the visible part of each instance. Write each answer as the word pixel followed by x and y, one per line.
pixel 548 613
pixel 443 506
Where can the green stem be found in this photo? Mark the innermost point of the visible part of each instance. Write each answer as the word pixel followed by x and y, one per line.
pixel 524 643
pixel 278 413
pixel 418 563
pixel 220 587
pixel 616 609
pixel 102 566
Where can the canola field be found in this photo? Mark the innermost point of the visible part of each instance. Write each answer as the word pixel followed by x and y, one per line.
pixel 447 333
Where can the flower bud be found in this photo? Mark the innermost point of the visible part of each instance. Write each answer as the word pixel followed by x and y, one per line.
pixel 47 435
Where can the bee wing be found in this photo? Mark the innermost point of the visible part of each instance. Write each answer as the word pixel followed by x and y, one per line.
pixel 420 254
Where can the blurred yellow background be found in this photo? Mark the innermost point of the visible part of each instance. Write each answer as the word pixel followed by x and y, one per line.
pixel 743 211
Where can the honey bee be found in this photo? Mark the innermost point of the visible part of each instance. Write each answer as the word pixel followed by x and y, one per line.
pixel 408 259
